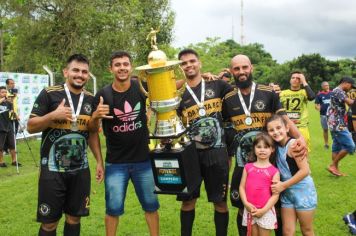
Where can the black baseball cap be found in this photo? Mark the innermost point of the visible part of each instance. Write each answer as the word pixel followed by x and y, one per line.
pixel 348 80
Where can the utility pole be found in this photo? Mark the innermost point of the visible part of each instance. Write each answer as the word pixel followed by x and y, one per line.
pixel 232 29
pixel 242 37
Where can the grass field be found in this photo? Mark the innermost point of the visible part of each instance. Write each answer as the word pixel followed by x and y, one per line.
pixel 18 194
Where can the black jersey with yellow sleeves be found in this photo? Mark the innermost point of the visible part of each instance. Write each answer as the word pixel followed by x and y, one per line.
pixel 62 149
pixel 264 104
pixel 207 131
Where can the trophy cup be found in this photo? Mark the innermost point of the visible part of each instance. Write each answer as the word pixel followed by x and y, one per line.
pixel 174 160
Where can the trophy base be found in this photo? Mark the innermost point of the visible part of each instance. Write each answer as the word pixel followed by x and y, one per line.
pixel 176 171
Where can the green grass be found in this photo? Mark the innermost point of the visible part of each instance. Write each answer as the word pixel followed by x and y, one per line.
pixel 18 194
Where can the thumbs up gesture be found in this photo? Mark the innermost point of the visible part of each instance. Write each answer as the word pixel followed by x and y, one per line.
pixel 62 112
pixel 102 110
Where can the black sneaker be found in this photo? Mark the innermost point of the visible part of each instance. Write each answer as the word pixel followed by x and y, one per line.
pixel 3 165
pixel 326 146
pixel 14 163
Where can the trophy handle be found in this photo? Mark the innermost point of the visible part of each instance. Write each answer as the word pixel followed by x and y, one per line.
pixel 179 73
pixel 142 76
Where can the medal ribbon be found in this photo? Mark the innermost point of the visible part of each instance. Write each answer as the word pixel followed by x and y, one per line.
pixel 202 97
pixel 75 114
pixel 252 95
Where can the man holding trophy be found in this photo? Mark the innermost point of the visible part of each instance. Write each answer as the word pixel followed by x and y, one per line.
pixel 201 110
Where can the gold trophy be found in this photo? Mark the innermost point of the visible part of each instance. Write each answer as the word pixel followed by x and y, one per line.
pixel 161 76
pixel 175 163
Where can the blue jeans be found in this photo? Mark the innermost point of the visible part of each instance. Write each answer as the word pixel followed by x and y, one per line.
pixel 117 177
pixel 342 140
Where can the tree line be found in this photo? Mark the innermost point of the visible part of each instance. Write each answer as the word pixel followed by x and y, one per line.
pixel 34 33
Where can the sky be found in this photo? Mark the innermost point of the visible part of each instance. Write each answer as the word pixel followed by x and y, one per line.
pixel 286 28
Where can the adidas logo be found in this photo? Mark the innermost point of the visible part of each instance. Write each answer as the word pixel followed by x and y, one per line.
pixel 128 117
pixel 128 114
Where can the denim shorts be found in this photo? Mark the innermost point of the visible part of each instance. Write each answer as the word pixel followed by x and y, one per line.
pixel 324 122
pixel 342 140
pixel 301 196
pixel 117 177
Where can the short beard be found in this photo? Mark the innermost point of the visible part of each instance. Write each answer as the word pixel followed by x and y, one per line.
pixel 78 86
pixel 243 84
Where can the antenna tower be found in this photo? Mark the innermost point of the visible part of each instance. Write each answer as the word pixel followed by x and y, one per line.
pixel 242 37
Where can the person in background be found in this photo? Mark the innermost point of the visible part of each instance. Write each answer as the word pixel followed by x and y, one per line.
pixel 342 139
pixel 12 93
pixel 322 103
pixel 6 129
pixel 295 102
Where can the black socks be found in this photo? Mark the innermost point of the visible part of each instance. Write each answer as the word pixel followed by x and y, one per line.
pixel 221 223
pixel 43 232
pixel 186 222
pixel 242 229
pixel 71 230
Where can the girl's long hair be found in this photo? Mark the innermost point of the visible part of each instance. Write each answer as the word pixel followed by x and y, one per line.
pixel 268 141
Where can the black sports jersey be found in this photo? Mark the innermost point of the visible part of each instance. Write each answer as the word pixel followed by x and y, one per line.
pixel 62 149
pixel 206 131
pixel 5 121
pixel 264 104
pixel 127 133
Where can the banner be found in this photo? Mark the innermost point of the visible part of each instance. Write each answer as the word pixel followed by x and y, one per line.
pixel 29 86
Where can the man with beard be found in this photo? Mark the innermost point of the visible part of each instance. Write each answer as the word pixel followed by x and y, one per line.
pixel 126 134
pixel 248 107
pixel 201 110
pixel 62 114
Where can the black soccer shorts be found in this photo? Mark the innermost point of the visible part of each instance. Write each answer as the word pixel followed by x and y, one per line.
pixel 214 167
pixel 60 192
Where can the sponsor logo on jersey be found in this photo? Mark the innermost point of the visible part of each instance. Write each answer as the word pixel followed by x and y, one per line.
pixel 210 106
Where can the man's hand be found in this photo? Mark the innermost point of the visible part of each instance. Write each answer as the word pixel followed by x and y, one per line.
pixel 225 75
pixel 99 173
pixel 102 110
pixel 209 76
pixel 2 99
pixel 62 112
pixel 303 80
pixel 299 149
pixel 276 88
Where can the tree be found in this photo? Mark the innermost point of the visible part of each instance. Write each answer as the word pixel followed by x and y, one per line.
pixel 47 32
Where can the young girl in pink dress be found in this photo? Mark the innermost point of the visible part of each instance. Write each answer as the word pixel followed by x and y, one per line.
pixel 255 188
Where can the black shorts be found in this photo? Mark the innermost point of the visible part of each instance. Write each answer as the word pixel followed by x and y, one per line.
pixel 214 167
pixel 234 189
pixel 8 138
pixel 60 192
